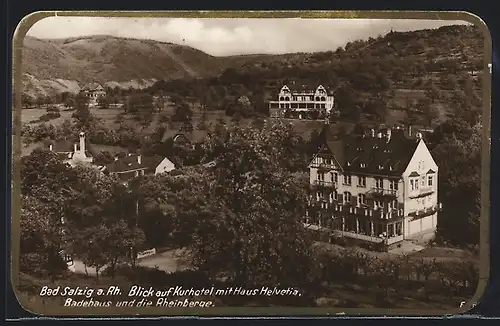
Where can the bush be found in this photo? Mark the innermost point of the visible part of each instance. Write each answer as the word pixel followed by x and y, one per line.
pixel 343 265
pixel 146 276
pixel 52 109
pixel 49 116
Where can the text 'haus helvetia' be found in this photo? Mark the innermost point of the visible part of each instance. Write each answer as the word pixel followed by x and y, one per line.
pixel 380 187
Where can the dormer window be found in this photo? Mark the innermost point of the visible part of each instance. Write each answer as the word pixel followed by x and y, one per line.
pixel 390 167
pixel 375 146
pixel 380 167
pixel 348 163
pixel 362 165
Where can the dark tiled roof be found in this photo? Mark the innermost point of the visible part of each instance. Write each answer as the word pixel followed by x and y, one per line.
pixel 63 156
pixel 125 164
pixel 67 146
pixel 194 136
pixel 372 155
pixel 414 174
pixel 152 162
pixel 305 87
pixel 92 87
pixel 130 163
pixel 61 146
pixel 431 171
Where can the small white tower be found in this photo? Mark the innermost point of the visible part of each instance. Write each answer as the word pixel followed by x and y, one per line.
pixel 82 143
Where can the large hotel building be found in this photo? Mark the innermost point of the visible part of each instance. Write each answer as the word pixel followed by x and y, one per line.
pixel 300 100
pixel 380 187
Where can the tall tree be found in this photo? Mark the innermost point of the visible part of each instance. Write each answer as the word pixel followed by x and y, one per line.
pixel 84 119
pixel 459 162
pixel 244 215
pixel 46 185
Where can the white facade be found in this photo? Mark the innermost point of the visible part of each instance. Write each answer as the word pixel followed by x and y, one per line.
pixel 420 192
pixel 165 166
pixel 303 100
pixel 377 207
pixel 93 92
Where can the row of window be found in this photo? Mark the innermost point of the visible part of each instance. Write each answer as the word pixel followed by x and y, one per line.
pixel 303 98
pixel 414 182
pixel 361 199
pixel 347 180
pixel 362 165
pixel 316 106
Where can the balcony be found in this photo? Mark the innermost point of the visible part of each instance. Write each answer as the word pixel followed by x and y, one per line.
pixel 391 214
pixel 322 166
pixel 360 236
pixel 423 212
pixel 383 192
pixel 322 183
pixel 423 192
pixel 367 212
pixel 371 238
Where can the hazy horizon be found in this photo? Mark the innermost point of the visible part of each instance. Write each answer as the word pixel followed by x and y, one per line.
pixel 233 36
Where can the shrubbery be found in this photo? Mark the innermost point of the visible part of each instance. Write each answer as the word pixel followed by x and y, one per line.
pixel 452 277
pixel 51 115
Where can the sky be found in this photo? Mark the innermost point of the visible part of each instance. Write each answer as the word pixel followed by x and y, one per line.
pixel 232 36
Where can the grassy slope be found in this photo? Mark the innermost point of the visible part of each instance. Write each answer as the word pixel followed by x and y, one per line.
pixel 52 66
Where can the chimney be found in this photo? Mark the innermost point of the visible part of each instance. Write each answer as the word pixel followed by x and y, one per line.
pixel 388 134
pixel 409 130
pixel 50 147
pixel 139 159
pixel 82 142
pixel 372 132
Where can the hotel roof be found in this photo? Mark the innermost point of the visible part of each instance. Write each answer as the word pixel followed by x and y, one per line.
pixel 370 155
pixel 92 87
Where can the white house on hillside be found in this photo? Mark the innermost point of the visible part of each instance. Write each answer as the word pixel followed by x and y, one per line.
pixel 301 99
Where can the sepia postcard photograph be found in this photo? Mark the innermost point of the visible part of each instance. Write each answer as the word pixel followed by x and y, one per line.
pixel 289 163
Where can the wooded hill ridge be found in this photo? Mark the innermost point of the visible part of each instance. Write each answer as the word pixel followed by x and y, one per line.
pixel 65 65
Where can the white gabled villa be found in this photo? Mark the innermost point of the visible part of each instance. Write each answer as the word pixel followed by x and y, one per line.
pixel 300 101
pixel 380 187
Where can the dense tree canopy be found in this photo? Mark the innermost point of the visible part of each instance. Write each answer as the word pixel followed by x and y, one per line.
pixel 459 162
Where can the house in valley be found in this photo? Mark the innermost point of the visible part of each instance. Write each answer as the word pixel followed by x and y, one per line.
pixel 186 135
pixel 157 164
pixel 379 187
pixel 135 165
pixel 93 92
pixel 302 102
pixel 72 152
